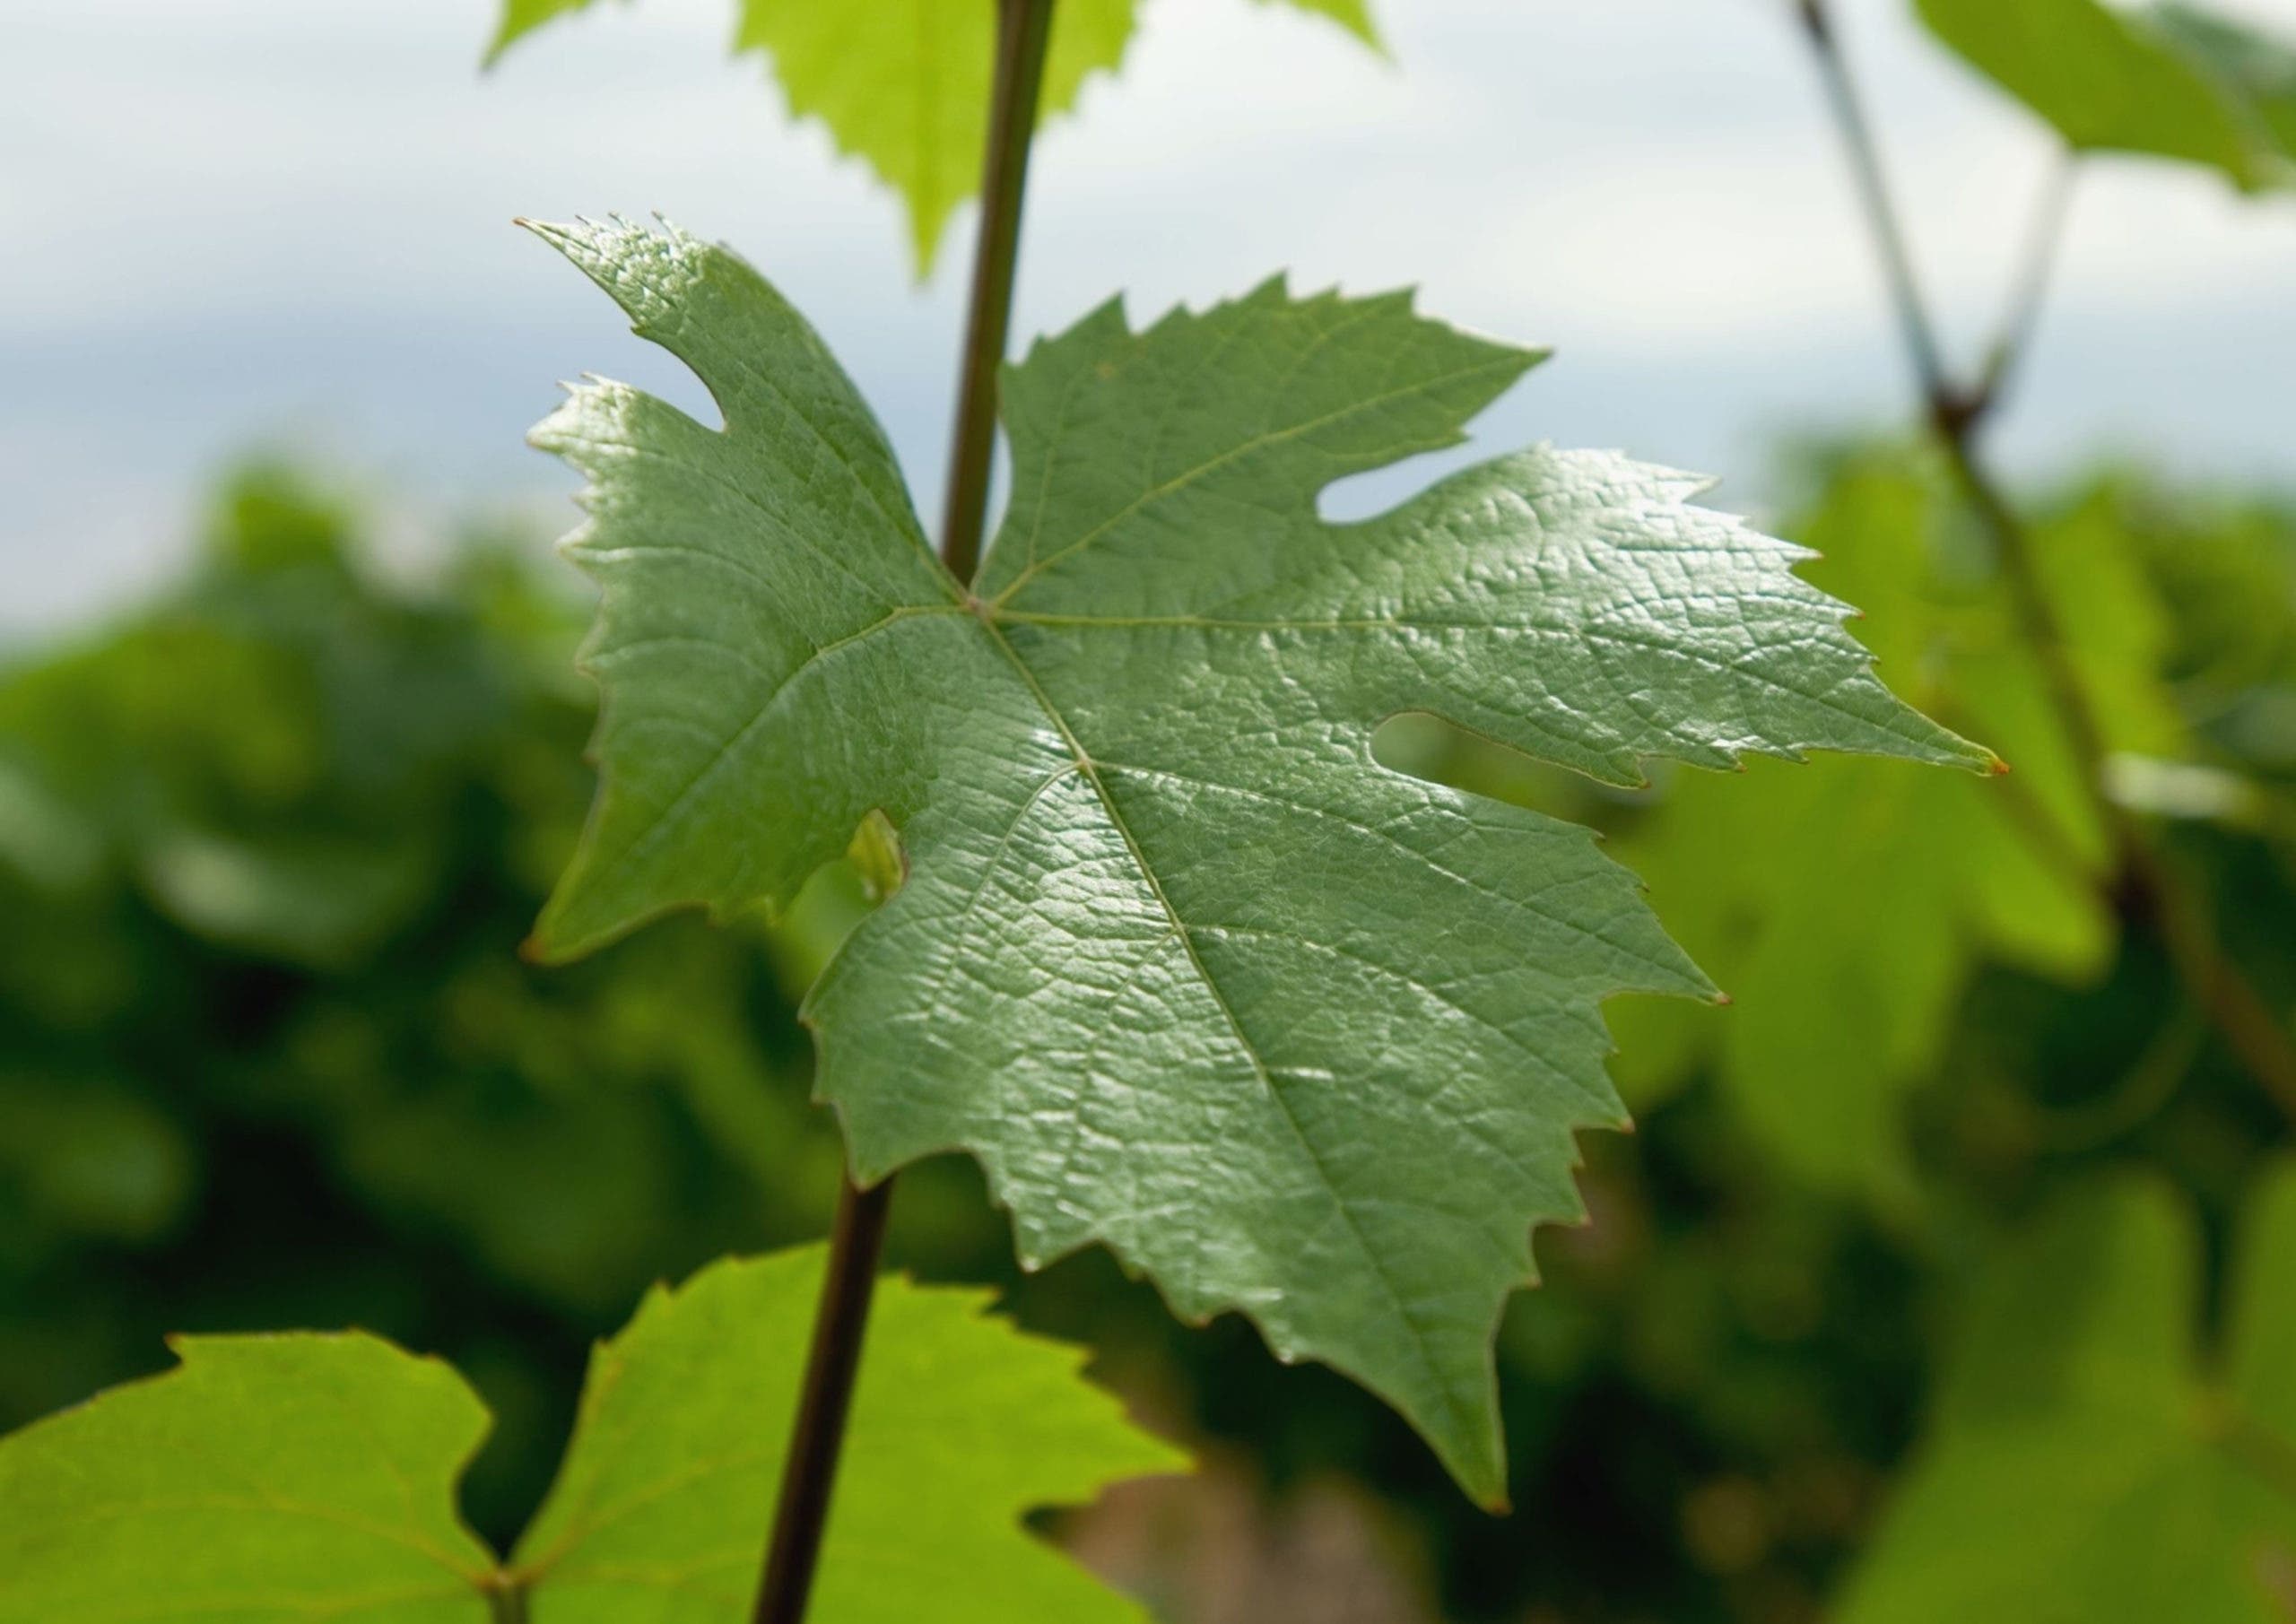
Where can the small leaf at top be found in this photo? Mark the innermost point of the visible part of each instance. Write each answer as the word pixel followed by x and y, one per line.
pixel 1353 15
pixel 275 1478
pixel 904 85
pixel 2168 81
pixel 521 17
pixel 1186 968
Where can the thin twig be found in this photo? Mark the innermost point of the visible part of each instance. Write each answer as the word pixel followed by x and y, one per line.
pixel 801 1514
pixel 2141 886
pixel 1921 333
pixel 2044 233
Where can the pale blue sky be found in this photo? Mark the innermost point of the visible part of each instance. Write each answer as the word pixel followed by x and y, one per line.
pixel 244 223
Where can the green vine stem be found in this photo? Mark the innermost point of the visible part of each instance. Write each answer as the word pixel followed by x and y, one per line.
pixel 506 1597
pixel 1023 30
pixel 2141 885
pixel 856 1241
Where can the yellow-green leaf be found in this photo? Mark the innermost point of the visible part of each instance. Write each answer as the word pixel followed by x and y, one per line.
pixel 2168 81
pixel 269 1479
pixel 904 85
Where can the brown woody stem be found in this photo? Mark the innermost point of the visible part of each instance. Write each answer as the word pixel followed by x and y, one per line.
pixel 801 1514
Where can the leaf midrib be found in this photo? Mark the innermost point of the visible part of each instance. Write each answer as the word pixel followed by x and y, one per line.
pixel 1397 624
pixel 1089 769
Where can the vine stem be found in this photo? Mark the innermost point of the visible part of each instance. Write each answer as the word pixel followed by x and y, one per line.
pixel 2140 884
pixel 856 1240
pixel 2044 233
pixel 1023 30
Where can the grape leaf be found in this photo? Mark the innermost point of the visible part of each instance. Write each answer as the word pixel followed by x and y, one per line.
pixel 1831 1028
pixel 306 1476
pixel 2140 1483
pixel 2259 71
pixel 521 17
pixel 1353 15
pixel 2169 81
pixel 265 1477
pixel 960 1424
pixel 1187 969
pixel 904 85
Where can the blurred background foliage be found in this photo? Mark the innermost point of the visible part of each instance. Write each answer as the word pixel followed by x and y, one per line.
pixel 269 1058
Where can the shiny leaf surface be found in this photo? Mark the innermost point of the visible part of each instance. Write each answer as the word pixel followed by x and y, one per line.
pixel 1189 972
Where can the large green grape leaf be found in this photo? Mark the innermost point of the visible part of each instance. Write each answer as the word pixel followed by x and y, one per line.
pixel 2169 81
pixel 2083 1465
pixel 276 1478
pixel 1830 1028
pixel 904 85
pixel 1188 971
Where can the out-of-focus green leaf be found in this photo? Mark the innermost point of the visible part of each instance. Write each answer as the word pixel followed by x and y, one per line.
pixel 88 1157
pixel 2168 81
pixel 1353 15
pixel 267 849
pixel 522 17
pixel 2083 1466
pixel 1845 907
pixel 2260 70
pixel 563 1194
pixel 314 1476
pixel 2227 571
pixel 1171 940
pixel 2261 1368
pixel 904 85
pixel 308 900
pixel 40 838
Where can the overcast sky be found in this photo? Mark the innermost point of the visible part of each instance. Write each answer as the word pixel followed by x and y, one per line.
pixel 269 223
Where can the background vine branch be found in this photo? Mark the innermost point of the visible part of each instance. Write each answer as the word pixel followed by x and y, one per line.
pixel 2139 884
